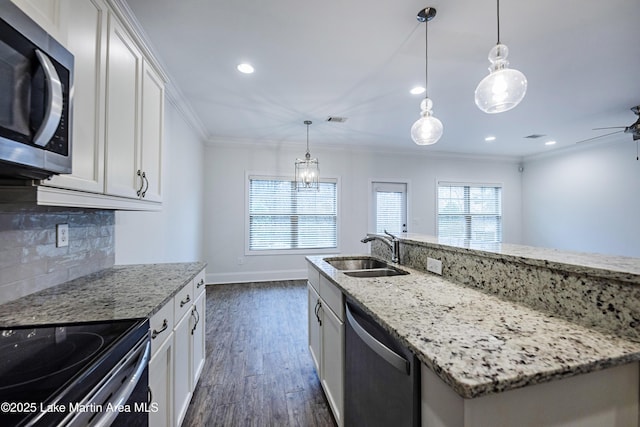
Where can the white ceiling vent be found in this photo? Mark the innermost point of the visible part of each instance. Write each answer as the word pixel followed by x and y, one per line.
pixel 336 119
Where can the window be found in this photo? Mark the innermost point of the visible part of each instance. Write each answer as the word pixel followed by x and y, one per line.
pixel 281 218
pixel 471 212
pixel 390 207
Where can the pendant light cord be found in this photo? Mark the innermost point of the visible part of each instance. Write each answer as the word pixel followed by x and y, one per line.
pixel 498 16
pixel 426 58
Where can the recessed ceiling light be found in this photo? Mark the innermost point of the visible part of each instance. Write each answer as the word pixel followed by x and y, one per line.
pixel 490 138
pixel 245 68
pixel 549 143
pixel 417 90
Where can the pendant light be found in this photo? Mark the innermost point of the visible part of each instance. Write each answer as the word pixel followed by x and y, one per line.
pixel 504 87
pixel 307 171
pixel 427 129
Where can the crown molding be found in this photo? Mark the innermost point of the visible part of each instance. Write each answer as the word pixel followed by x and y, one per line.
pixel 172 92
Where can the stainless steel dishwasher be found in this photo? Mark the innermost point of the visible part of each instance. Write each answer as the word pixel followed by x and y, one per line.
pixel 382 378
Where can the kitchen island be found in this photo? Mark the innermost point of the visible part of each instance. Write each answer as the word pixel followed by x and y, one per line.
pixel 487 353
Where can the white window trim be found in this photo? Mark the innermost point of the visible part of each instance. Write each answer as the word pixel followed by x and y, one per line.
pixel 371 226
pixel 304 252
pixel 453 182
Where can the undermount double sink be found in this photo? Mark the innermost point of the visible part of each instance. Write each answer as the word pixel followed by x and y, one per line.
pixel 364 267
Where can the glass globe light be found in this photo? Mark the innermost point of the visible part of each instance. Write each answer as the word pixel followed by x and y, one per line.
pixel 427 129
pixel 504 87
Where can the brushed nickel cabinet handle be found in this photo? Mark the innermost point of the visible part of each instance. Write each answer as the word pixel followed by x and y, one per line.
pixel 146 181
pixel 196 315
pixel 141 175
pixel 164 327
pixel 185 301
pixel 200 284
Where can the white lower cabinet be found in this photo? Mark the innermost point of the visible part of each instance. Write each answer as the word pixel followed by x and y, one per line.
pixel 181 370
pixel 332 377
pixel 161 385
pixel 326 339
pixel 177 354
pixel 198 338
pixel 314 327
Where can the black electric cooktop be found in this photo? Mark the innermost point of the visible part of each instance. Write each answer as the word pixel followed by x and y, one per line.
pixel 38 363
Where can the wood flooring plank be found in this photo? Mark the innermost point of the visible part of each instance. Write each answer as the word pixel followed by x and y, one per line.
pixel 258 370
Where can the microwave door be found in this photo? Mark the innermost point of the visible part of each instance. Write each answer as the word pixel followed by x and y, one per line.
pixel 53 110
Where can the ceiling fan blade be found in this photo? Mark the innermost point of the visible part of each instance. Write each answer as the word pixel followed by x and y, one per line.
pixel 610 127
pixel 599 136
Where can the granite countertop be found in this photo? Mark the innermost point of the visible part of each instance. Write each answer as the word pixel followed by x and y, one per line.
pixel 476 342
pixel 120 292
pixel 626 269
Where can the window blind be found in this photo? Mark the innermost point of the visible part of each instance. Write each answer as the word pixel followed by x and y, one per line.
pixel 282 218
pixel 470 212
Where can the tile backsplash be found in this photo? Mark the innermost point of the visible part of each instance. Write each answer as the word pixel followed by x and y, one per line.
pixel 30 260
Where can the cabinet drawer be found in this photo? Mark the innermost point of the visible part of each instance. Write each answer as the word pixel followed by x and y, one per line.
pixel 314 276
pixel 161 325
pixel 199 285
pixel 183 301
pixel 332 295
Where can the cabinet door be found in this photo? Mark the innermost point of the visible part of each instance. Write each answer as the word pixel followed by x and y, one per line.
pixel 152 133
pixel 314 326
pixel 181 369
pixel 197 339
pixel 332 348
pixel 86 35
pixel 45 13
pixel 161 386
pixel 124 68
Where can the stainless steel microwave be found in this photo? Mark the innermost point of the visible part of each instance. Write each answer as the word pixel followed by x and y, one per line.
pixel 36 87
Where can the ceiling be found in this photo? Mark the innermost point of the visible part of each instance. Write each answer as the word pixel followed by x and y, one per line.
pixel 358 59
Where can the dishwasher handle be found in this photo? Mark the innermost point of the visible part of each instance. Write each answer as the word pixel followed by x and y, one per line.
pixel 393 358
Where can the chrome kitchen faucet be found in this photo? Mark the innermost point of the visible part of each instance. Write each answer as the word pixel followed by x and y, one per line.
pixel 394 244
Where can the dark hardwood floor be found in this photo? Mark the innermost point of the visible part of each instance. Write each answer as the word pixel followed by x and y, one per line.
pixel 258 370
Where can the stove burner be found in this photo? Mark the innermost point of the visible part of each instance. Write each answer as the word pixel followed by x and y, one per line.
pixel 38 358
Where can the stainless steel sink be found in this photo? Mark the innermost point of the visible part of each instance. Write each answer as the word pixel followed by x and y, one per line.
pixel 376 272
pixel 364 267
pixel 355 263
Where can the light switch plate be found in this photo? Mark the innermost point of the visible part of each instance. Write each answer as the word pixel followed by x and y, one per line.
pixel 434 266
pixel 62 235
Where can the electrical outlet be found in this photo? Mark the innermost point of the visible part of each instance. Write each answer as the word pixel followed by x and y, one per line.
pixel 62 235
pixel 434 266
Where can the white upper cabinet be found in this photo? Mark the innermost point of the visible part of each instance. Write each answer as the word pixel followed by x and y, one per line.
pixel 118 110
pixel 124 89
pixel 45 13
pixel 85 37
pixel 152 133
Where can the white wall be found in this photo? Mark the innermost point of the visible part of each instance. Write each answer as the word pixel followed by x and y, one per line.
pixel 585 200
pixel 225 200
pixel 175 233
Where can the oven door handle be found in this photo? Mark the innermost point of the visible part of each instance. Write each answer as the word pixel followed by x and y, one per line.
pixel 53 111
pixel 123 394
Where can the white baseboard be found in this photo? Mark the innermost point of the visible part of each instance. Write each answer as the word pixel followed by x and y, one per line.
pixel 255 276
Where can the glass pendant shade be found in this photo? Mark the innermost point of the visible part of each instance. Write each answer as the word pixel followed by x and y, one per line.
pixel 427 129
pixel 504 87
pixel 307 173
